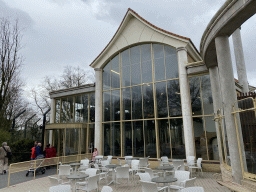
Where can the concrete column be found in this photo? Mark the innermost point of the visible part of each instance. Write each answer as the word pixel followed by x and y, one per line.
pixel 240 64
pixel 217 102
pixel 98 111
pixel 186 102
pixel 52 117
pixel 228 98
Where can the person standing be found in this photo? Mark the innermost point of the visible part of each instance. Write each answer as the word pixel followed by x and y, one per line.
pixel 3 158
pixel 38 149
pixel 33 153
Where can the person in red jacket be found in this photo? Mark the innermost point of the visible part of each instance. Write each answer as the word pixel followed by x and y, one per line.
pixel 33 153
pixel 47 151
pixel 53 151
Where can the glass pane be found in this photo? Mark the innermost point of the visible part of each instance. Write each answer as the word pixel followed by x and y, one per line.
pixel 106 106
pixel 116 139
pixel 115 105
pixel 57 110
pixel 65 110
pixel 126 95
pixel 91 137
pixel 212 138
pixel 174 101
pixel 83 140
pixel 207 94
pixel 127 127
pixel 106 77
pixel 177 139
pixel 194 83
pixel 135 55
pixel 138 141
pixel 72 141
pixel 135 74
pixel 115 74
pixel 78 108
pixel 164 138
pixel 84 117
pixel 161 96
pixel 125 68
pixel 159 62
pixel 136 103
pixel 92 107
pixel 70 99
pixel 57 142
pixel 146 63
pixel 150 138
pixel 200 141
pixel 171 62
pixel 107 139
pixel 148 101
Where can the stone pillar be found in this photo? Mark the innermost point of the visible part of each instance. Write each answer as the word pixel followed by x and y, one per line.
pixel 217 102
pixel 98 111
pixel 52 117
pixel 229 97
pixel 186 102
pixel 240 64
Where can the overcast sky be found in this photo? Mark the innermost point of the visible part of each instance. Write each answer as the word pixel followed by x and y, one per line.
pixel 73 32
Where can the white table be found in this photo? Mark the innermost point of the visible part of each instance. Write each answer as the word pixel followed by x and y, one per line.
pixel 76 176
pixel 112 166
pixel 75 165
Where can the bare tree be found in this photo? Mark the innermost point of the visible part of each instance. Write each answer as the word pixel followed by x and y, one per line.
pixel 11 61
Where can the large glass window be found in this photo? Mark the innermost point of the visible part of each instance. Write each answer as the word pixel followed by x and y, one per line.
pixel 141 97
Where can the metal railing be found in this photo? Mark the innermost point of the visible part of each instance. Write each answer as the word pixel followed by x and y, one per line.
pixel 35 164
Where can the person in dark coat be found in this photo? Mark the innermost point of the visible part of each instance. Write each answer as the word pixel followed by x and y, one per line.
pixel 39 150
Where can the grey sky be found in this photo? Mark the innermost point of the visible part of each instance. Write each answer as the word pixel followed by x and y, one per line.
pixel 73 32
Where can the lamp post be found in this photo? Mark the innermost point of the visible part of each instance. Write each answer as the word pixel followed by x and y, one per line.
pixel 43 127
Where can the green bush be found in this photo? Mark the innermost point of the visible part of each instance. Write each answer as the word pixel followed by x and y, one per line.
pixel 21 150
pixel 5 136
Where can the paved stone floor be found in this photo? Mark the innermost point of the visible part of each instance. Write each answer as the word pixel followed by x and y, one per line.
pixel 42 184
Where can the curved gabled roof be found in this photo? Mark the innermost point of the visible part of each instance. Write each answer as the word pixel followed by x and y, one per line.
pixel 130 13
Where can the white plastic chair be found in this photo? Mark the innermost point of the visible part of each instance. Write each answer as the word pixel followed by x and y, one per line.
pixel 151 173
pixel 189 182
pixel 145 177
pixel 55 181
pixel 106 189
pixel 192 189
pixel 98 159
pixel 134 167
pixel 60 188
pixel 143 163
pixel 122 173
pixel 197 166
pixel 181 177
pixel 64 170
pixel 178 165
pixel 191 161
pixel 128 161
pixel 91 172
pixel 151 187
pixel 85 164
pixel 104 170
pixel 109 159
pixel 90 185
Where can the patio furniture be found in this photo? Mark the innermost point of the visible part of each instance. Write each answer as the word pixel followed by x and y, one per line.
pixel 109 159
pixel 134 167
pixel 64 170
pixel 98 159
pixel 128 159
pixel 164 180
pixel 75 165
pixel 85 164
pixel 145 177
pixel 60 188
pixel 181 177
pixel 104 170
pixel 106 189
pixel 165 160
pixel 197 166
pixel 192 189
pixel 178 165
pixel 90 185
pixel 189 182
pixel 90 172
pixel 122 173
pixel 151 187
pixel 112 167
pixel 191 161
pixel 165 168
pixel 151 173
pixel 55 181
pixel 143 163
